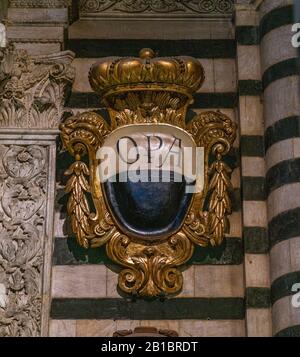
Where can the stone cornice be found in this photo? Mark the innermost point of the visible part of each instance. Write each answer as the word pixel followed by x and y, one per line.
pixel 39 3
pixel 154 9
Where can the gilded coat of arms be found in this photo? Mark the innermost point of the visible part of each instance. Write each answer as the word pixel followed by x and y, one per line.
pixel 158 184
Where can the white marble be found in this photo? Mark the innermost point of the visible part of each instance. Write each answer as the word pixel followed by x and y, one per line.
pixel 62 328
pixel 276 46
pixel 257 270
pixel 251 115
pixel 79 281
pixel 285 258
pixel 253 166
pixel 111 281
pixel 248 59
pixel 95 328
pixel 208 85
pixel 269 5
pixel 213 328
pixel 188 289
pixel 255 213
pixel 284 314
pixel 246 17
pixel 283 199
pixel 224 75
pixel 296 147
pixel 281 100
pixel 219 281
pixel 235 221
pixel 281 151
pixel 259 323
pixel 185 328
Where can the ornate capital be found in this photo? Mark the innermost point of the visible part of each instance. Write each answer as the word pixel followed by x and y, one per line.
pixel 33 90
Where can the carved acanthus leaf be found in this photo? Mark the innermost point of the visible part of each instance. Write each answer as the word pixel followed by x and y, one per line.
pixel 33 90
pixel 22 211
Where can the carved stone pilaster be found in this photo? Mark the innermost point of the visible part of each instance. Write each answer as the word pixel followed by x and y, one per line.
pixel 23 190
pixel 32 92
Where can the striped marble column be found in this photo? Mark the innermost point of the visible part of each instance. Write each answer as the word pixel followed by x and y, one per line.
pixel 282 145
pixel 256 264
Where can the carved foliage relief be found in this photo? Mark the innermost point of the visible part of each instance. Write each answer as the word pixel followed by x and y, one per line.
pixel 33 90
pixel 23 182
pixel 173 7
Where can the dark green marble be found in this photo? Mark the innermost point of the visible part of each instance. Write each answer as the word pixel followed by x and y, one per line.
pixel 284 173
pixel 284 226
pixel 258 298
pixel 170 309
pixel 253 188
pixel 230 252
pixel 250 87
pixel 280 70
pixel 276 18
pixel 201 100
pixel 293 331
pixel 282 286
pixel 256 240
pixel 252 146
pixel 247 35
pixel 92 48
pixel 283 129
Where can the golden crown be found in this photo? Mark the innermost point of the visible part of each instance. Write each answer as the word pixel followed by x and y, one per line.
pixel 113 75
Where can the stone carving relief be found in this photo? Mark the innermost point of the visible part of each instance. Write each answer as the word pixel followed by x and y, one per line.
pixel 2 35
pixel 174 7
pixel 33 90
pixel 23 182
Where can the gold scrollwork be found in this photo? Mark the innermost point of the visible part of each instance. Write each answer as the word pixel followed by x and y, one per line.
pixel 148 268
pixel 151 270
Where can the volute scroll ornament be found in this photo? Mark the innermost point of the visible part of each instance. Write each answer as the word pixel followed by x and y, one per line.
pixel 165 187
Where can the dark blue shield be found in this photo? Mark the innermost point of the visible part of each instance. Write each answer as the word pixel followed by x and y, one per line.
pixel 149 192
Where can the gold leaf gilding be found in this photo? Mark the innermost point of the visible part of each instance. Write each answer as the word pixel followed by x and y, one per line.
pixel 148 90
